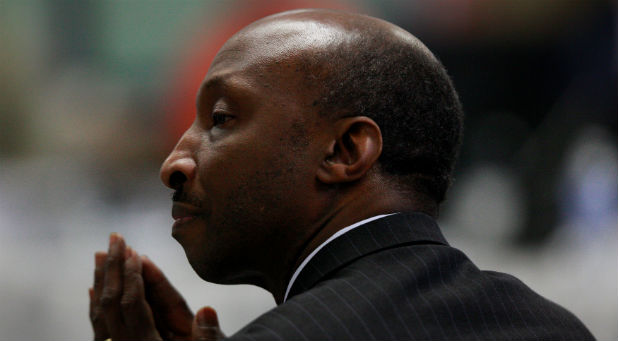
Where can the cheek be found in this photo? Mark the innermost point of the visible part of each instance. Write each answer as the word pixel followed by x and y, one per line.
pixel 234 179
pixel 249 177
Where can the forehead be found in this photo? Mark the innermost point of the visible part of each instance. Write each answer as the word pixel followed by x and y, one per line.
pixel 275 46
pixel 274 41
pixel 264 59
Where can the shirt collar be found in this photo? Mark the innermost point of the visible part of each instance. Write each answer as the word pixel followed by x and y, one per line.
pixel 333 237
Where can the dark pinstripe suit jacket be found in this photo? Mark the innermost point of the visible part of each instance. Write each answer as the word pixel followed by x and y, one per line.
pixel 397 278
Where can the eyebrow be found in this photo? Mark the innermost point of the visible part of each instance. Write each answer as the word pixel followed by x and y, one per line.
pixel 213 82
pixel 232 84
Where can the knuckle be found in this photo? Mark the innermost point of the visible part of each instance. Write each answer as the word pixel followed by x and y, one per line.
pixel 112 260
pixel 99 271
pixel 136 278
pixel 108 298
pixel 129 302
pixel 97 317
pixel 134 284
pixel 131 274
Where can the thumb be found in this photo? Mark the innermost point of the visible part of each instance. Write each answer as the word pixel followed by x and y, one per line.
pixel 206 325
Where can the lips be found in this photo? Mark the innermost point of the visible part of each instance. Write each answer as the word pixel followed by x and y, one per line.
pixel 183 213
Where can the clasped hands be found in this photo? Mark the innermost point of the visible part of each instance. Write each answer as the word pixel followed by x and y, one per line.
pixel 131 299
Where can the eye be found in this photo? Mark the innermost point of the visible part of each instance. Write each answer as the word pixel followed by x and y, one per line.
pixel 220 118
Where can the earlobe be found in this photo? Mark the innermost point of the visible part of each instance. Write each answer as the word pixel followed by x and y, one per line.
pixel 355 148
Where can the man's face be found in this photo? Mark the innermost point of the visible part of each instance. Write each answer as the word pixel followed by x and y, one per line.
pixel 244 172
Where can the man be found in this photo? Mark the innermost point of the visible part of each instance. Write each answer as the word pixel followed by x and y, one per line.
pixel 322 147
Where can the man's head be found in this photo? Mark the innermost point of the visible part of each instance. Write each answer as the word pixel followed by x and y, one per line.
pixel 305 116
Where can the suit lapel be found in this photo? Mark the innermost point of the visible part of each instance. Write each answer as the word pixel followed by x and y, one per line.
pixel 387 232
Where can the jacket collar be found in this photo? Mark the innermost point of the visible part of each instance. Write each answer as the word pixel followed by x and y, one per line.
pixel 388 232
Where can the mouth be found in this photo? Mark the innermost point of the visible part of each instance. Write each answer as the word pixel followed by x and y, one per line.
pixel 184 213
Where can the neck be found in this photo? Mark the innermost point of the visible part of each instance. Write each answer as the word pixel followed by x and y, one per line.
pixel 362 202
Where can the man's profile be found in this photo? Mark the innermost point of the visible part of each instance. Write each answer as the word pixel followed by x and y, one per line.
pixel 322 147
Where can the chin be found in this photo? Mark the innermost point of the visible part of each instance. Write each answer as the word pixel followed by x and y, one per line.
pixel 209 267
pixel 220 270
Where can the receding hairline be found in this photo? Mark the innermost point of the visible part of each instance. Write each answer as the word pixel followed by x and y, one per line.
pixel 301 31
pixel 349 63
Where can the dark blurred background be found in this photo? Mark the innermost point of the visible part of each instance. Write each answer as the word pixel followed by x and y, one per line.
pixel 94 95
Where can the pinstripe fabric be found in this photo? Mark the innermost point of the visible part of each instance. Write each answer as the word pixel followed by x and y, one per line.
pixel 397 278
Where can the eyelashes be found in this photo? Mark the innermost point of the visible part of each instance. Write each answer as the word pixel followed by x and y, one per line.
pixel 220 118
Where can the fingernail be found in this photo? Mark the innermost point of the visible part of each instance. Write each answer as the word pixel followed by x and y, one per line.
pixel 201 319
pixel 206 317
pixel 129 260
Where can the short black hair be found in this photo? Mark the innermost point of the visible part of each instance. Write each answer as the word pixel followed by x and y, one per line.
pixel 408 93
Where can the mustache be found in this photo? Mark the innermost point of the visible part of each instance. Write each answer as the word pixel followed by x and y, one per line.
pixel 184 197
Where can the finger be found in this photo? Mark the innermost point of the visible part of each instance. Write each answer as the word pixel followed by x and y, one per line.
pixel 99 274
pixel 170 310
pixel 206 325
pixel 112 284
pixel 161 291
pixel 97 317
pixel 136 311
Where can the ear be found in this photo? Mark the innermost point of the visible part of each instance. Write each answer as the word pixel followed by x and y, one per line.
pixel 356 146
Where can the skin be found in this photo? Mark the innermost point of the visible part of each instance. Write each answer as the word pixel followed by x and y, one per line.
pixel 261 179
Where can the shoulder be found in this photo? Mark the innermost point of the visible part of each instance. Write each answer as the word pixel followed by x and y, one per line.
pixel 416 292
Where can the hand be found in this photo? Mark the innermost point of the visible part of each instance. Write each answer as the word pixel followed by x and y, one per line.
pixel 206 325
pixel 172 317
pixel 118 306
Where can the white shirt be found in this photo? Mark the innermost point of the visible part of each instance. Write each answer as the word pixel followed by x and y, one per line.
pixel 333 237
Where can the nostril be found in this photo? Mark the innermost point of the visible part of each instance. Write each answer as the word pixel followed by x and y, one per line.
pixel 177 179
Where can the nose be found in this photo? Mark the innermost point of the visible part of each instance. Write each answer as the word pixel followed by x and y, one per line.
pixel 180 166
